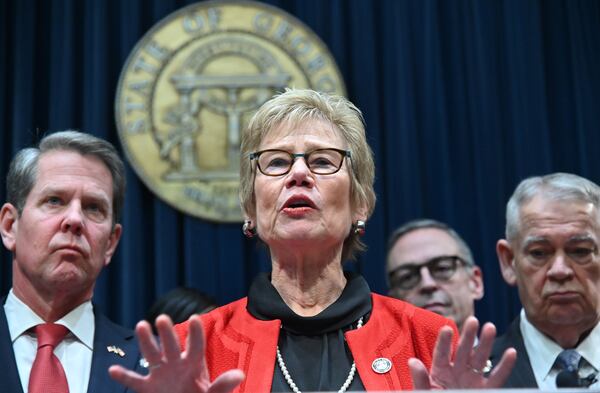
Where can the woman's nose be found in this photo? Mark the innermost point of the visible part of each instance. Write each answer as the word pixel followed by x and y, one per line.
pixel 300 174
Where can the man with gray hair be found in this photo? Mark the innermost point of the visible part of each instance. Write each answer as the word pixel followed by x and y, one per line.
pixel 430 265
pixel 551 253
pixel 61 224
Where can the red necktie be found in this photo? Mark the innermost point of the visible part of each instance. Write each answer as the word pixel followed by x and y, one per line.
pixel 47 374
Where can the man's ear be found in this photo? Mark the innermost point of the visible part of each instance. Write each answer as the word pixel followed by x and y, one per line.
pixel 9 223
pixel 506 258
pixel 476 283
pixel 113 241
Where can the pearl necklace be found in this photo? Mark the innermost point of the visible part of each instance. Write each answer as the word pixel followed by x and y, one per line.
pixel 290 381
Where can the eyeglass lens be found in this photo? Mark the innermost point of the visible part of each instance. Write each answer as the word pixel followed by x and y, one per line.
pixel 409 276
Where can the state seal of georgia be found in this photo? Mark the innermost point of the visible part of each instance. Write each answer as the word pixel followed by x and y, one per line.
pixel 194 80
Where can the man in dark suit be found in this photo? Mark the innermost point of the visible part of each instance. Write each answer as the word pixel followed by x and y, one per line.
pixel 552 254
pixel 61 224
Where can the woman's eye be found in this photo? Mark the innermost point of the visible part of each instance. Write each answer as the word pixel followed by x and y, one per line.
pixel 321 162
pixel 278 163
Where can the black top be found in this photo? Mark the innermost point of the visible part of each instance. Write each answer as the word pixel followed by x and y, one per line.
pixel 313 348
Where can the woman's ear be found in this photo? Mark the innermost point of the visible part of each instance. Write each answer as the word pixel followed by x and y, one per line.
pixel 361 213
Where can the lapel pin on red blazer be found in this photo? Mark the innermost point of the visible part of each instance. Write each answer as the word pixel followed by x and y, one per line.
pixel 381 365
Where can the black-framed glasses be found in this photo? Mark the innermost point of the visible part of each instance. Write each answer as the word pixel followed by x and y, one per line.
pixel 274 162
pixel 440 268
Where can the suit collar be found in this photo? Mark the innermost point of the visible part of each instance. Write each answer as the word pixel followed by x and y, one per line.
pixel 113 345
pixel 522 374
pixel 9 374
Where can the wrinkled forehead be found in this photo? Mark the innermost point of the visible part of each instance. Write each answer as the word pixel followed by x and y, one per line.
pixel 542 217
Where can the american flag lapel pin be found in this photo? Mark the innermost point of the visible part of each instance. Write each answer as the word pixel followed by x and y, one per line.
pixel 116 350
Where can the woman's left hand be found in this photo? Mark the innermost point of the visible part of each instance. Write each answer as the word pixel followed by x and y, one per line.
pixel 467 369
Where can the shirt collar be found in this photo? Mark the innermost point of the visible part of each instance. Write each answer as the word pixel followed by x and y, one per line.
pixel 21 318
pixel 588 348
pixel 542 350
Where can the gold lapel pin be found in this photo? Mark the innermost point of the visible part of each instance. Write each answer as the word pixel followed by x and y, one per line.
pixel 116 350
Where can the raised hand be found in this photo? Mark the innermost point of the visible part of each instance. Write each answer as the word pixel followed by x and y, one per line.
pixel 170 370
pixel 467 369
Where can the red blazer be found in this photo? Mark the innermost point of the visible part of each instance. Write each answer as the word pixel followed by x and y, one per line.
pixel 396 330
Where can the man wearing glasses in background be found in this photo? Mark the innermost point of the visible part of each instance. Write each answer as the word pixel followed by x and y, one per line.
pixel 430 265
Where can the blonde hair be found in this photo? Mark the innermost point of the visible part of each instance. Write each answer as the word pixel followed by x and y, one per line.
pixel 296 106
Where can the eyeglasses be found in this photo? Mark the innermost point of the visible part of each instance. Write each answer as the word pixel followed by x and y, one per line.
pixel 441 268
pixel 273 162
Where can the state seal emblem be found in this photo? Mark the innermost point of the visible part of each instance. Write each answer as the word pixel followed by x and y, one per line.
pixel 192 82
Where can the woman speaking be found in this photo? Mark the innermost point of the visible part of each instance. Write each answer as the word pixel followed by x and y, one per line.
pixel 306 189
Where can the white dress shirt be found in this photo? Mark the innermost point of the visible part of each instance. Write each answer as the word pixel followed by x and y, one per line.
pixel 542 352
pixel 74 352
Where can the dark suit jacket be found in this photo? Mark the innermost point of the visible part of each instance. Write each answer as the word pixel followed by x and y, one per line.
pixel 522 374
pixel 107 333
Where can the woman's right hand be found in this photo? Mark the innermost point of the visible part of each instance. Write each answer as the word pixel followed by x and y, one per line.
pixel 170 370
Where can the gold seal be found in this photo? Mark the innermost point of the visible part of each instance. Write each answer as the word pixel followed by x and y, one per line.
pixel 191 84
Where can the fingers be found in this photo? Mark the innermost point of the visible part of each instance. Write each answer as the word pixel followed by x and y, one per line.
pixel 419 374
pixel 194 350
pixel 128 378
pixel 168 338
pixel 195 340
pixel 443 349
pixel 486 341
pixel 462 357
pixel 227 381
pixel 501 372
pixel 148 346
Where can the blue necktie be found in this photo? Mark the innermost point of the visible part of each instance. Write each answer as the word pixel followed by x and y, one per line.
pixel 568 360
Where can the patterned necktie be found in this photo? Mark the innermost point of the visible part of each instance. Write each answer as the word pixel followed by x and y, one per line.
pixel 47 374
pixel 568 360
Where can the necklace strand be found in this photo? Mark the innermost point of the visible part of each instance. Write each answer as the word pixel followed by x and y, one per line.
pixel 290 381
